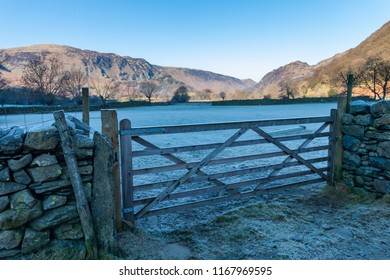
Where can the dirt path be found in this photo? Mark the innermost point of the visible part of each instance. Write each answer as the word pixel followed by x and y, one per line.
pixel 308 223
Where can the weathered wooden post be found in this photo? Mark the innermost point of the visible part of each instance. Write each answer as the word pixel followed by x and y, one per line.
pixel 350 81
pixel 338 150
pixel 77 184
pixel 110 129
pixel 127 172
pixel 85 94
pixel 332 144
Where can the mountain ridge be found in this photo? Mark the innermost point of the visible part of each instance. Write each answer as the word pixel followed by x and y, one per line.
pixel 122 68
pixel 308 80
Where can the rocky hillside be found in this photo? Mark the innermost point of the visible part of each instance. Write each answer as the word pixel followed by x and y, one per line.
pixel 93 63
pixel 293 71
pixel 378 44
pixel 316 80
pixel 199 79
pixel 126 69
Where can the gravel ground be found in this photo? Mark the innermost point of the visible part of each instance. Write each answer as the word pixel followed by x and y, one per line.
pixel 314 223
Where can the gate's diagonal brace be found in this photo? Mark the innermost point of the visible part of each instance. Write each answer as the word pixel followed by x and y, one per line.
pixel 191 172
pixel 175 159
pixel 303 145
pixel 285 149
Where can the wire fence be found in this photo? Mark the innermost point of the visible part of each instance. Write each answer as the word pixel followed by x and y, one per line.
pixel 30 116
pixel 28 121
pixel 24 120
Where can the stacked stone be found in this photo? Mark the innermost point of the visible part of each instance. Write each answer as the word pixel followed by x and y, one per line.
pixel 37 205
pixel 366 142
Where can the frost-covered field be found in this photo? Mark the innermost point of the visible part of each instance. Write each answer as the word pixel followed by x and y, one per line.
pixel 185 114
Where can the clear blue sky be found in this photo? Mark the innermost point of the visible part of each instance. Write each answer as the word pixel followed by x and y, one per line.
pixel 241 38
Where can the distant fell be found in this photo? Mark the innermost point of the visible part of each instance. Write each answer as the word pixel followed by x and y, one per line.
pixel 297 70
pixel 126 69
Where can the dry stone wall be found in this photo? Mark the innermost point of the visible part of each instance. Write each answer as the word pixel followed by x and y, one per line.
pixel 366 143
pixel 38 215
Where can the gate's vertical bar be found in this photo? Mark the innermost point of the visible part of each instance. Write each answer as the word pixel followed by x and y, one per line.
pixel 338 158
pixel 110 129
pixel 127 171
pixel 332 145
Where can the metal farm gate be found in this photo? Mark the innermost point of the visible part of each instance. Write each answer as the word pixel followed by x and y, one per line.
pixel 171 168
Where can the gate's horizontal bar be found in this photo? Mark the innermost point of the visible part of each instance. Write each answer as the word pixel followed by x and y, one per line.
pixel 171 150
pixel 227 198
pixel 220 126
pixel 203 191
pixel 233 173
pixel 223 161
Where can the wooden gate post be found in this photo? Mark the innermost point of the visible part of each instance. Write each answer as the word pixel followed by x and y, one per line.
pixel 127 172
pixel 338 150
pixel 85 94
pixel 110 130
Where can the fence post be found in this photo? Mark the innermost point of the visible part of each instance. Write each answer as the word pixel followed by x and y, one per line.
pixel 338 153
pixel 332 144
pixel 110 129
pixel 127 172
pixel 350 81
pixel 77 184
pixel 85 94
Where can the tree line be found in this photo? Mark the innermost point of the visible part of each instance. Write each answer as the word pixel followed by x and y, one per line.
pixel 373 76
pixel 49 77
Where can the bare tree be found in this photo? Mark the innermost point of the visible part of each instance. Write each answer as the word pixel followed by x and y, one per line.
pixel 105 88
pixel 4 57
pixel 3 83
pixel 74 81
pixel 180 95
pixel 44 76
pixel 222 94
pixel 131 92
pixel 205 94
pixel 148 89
pixel 286 91
pixel 240 95
pixel 375 76
pixel 341 81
